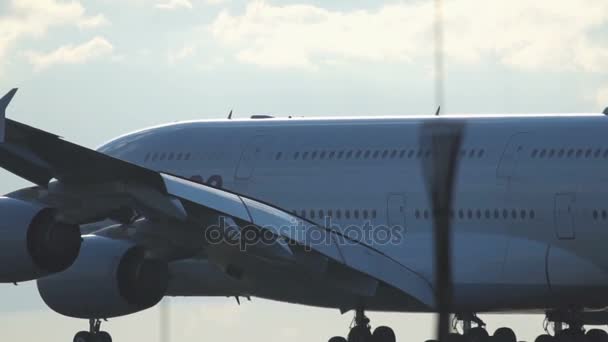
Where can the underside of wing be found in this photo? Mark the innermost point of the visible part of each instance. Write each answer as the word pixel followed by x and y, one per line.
pixel 329 243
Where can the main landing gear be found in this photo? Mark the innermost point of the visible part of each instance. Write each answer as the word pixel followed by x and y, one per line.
pixel 474 330
pixel 94 334
pixel 361 331
pixel 568 326
pixel 560 326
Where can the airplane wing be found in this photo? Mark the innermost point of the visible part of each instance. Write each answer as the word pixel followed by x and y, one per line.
pixel 40 157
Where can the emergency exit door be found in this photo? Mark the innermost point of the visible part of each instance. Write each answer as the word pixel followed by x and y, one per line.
pixel 396 210
pixel 250 156
pixel 564 215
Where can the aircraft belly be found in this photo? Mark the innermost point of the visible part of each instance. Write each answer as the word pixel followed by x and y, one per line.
pixel 575 278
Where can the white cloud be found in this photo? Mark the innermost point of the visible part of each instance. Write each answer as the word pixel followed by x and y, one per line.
pixel 70 54
pixel 550 35
pixel 33 18
pixel 183 53
pixel 174 4
pixel 93 22
pixel 215 2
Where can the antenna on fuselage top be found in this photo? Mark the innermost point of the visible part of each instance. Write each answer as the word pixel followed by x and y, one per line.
pixel 230 115
pixel 437 111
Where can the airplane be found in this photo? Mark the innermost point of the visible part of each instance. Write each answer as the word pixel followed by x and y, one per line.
pixel 326 212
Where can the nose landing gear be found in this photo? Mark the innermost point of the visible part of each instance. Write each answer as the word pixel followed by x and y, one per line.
pixel 361 331
pixel 94 334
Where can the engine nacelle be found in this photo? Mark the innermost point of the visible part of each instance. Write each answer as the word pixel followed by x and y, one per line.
pixel 33 243
pixel 109 278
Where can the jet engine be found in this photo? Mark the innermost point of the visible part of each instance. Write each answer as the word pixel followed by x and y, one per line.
pixel 109 278
pixel 33 242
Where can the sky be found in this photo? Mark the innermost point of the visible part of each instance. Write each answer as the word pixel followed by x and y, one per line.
pixel 91 70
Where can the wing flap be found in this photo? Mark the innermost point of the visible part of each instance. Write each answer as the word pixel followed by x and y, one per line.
pixel 326 242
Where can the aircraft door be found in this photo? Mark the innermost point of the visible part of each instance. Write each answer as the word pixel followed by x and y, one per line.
pixel 564 215
pixel 396 210
pixel 250 155
pixel 510 157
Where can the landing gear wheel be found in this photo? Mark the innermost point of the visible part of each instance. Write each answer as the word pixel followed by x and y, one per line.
pixel 477 334
pixel 103 336
pixel 544 338
pixel 84 336
pixel 504 335
pixel 597 335
pixel 455 337
pixel 337 339
pixel 359 333
pixel 94 334
pixel 570 335
pixel 386 334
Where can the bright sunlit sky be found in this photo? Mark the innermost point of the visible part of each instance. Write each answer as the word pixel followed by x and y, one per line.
pixel 91 70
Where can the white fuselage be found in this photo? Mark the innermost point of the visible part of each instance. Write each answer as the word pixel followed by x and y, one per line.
pixel 530 216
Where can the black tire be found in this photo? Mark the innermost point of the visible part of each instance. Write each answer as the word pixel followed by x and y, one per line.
pixel 359 334
pixel 570 335
pixel 337 339
pixel 597 335
pixel 103 336
pixel 544 338
pixel 83 336
pixel 504 335
pixel 477 334
pixel 455 337
pixel 383 334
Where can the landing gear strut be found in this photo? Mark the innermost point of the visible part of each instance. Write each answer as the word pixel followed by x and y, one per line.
pixel 474 330
pixel 94 334
pixel 361 331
